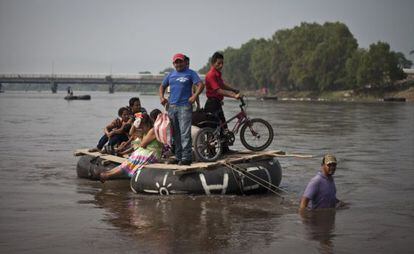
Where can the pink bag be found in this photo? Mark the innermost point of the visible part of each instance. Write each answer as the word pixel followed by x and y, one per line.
pixel 163 129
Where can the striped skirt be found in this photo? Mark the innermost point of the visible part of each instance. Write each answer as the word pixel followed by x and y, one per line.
pixel 137 160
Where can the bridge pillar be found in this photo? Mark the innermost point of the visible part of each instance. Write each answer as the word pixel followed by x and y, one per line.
pixel 53 86
pixel 111 83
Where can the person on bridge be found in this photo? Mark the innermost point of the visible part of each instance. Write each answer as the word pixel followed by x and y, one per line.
pixel 181 81
pixel 321 190
pixel 217 89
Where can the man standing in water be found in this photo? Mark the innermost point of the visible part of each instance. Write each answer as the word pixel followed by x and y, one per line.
pixel 321 190
pixel 180 103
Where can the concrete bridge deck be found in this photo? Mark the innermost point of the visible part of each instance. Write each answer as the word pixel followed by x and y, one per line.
pixel 96 78
pixel 72 78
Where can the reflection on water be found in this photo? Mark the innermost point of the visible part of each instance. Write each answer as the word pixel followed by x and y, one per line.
pixel 48 209
pixel 320 227
pixel 185 223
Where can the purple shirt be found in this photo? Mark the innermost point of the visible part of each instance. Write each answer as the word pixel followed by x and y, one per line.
pixel 321 191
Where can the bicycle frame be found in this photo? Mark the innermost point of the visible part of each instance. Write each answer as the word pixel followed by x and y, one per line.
pixel 241 119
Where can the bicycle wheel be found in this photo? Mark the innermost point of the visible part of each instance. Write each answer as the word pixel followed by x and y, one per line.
pixel 207 145
pixel 256 135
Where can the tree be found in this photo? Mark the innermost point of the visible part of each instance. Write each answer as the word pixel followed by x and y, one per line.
pixel 236 67
pixel 380 66
pixel 352 68
pixel 402 61
pixel 311 57
pixel 167 70
pixel 260 64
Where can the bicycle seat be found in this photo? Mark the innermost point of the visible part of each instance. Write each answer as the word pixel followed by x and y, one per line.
pixel 203 119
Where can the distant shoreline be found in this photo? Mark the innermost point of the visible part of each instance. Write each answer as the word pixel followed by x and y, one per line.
pixel 405 90
pixel 366 95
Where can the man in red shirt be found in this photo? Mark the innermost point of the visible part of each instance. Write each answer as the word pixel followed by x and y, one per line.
pixel 216 89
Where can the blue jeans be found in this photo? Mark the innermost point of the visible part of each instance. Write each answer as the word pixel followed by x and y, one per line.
pixel 181 122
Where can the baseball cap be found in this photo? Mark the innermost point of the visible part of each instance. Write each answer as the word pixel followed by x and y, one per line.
pixel 178 56
pixel 329 158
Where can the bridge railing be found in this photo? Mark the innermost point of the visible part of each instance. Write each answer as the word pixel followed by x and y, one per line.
pixel 81 76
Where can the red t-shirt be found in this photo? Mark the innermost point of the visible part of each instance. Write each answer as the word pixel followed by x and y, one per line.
pixel 214 82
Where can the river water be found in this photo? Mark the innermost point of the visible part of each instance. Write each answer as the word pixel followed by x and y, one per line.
pixel 45 208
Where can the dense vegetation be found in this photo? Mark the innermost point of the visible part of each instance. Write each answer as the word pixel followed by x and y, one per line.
pixel 312 57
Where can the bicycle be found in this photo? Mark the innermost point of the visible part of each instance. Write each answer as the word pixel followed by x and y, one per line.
pixel 255 134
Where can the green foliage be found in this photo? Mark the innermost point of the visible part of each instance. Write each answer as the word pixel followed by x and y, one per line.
pixel 402 61
pixel 206 68
pixel 353 70
pixel 237 65
pixel 167 70
pixel 379 66
pixel 311 57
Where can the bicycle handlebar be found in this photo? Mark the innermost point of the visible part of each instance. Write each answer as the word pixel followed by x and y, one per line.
pixel 242 102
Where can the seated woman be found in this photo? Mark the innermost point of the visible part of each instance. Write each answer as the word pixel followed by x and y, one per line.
pixel 149 151
pixel 135 135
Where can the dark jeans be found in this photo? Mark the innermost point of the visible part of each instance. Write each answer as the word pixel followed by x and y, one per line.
pixel 214 106
pixel 114 140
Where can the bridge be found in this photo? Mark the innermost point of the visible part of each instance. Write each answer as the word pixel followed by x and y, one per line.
pixel 99 78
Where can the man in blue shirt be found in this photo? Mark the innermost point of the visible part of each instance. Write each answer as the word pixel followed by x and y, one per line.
pixel 321 190
pixel 180 103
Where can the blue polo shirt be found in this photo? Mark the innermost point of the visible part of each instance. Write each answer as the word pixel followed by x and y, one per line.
pixel 181 84
pixel 321 191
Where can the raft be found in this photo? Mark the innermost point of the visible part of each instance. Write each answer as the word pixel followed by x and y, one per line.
pixel 236 174
pixel 263 98
pixel 77 97
pixel 90 166
pixel 220 180
pixel 394 99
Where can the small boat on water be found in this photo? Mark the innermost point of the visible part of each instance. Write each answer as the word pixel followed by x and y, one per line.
pixel 263 98
pixel 396 99
pixel 77 97
pixel 236 174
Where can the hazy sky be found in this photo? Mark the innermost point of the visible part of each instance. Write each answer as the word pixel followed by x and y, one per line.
pixel 85 36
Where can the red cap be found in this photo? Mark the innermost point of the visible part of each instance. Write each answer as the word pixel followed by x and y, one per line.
pixel 178 56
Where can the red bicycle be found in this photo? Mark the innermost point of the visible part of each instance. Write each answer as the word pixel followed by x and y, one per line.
pixel 255 134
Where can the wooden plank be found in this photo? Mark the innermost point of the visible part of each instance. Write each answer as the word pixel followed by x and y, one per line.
pixel 107 157
pixel 113 158
pixel 241 156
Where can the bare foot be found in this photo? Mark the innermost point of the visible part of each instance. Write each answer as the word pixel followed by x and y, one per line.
pixel 103 177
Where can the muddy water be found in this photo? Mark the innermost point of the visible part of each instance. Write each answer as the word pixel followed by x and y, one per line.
pixel 45 208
